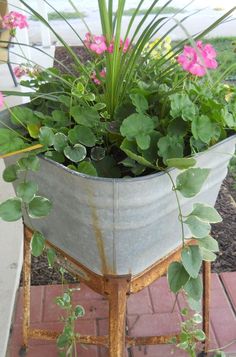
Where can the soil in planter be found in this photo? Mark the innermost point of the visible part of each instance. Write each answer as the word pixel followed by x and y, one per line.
pixel 224 232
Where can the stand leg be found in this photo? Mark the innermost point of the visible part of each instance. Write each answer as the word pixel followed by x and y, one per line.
pixel 26 287
pixel 117 289
pixel 206 302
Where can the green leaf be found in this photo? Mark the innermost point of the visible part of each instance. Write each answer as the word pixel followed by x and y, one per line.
pixel 202 128
pixel 138 127
pixel 197 318
pixel 10 141
pixel 190 182
pixel 199 335
pixel 181 163
pixel 143 141
pixel 79 311
pixel 100 106
pixel 46 136
pixel 63 341
pixel 60 117
pixel 209 243
pixel 130 148
pixel 22 114
pixel 29 163
pixel 177 127
pixel 60 142
pixel 10 173
pixel 98 153
pixel 177 276
pixel 194 288
pixel 33 130
pixel 192 260
pixel 37 244
pixel 207 255
pixel 26 191
pixel 182 106
pixel 140 102
pixel 83 135
pixel 51 255
pixel 85 116
pixel 76 153
pixel 170 147
pixel 198 228
pixel 229 119
pixel 206 213
pixel 107 167
pixel 10 210
pixel 39 207
pixel 86 167
pixel 55 156
pixel 220 354
pixel 194 305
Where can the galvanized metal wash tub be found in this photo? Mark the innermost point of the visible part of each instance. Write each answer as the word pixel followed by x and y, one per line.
pixel 121 226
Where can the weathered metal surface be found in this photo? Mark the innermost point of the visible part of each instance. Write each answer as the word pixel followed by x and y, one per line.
pixel 121 226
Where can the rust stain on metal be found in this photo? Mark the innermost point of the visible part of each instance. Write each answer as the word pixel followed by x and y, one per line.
pixel 150 340
pixel 26 286
pixel 38 334
pixel 99 240
pixel 206 302
pixel 115 288
pixel 155 271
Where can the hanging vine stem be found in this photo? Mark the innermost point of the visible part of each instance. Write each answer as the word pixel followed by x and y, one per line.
pixel 180 217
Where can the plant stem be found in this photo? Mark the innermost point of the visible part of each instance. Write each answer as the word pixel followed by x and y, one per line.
pixel 179 209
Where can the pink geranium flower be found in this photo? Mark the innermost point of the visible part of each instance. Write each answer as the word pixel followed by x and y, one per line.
pixel 197 61
pixel 1 100
pixel 125 45
pixel 19 71
pixel 95 43
pixel 98 44
pixel 13 20
pixel 102 74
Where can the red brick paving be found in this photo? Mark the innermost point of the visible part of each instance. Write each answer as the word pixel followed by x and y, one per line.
pixel 150 312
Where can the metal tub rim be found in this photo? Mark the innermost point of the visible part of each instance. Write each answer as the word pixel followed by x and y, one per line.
pixel 128 179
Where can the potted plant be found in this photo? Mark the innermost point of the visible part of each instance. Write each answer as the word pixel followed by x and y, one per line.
pixel 132 150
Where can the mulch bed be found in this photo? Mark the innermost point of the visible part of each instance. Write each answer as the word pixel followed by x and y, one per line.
pixel 224 232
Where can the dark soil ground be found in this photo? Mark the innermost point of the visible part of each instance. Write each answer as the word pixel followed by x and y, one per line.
pixel 224 232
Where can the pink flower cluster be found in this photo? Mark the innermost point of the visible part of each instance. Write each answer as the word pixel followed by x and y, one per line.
pixel 26 70
pixel 13 20
pixel 102 74
pixel 98 44
pixel 197 61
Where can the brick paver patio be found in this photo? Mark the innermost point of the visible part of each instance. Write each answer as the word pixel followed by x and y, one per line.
pixel 150 312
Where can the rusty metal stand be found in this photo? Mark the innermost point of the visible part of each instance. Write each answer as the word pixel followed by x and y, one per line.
pixel 116 289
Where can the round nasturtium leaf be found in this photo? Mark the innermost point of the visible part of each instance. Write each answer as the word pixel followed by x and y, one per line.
pixel 60 142
pixel 10 173
pixel 26 191
pixel 37 244
pixel 46 136
pixel 39 207
pixel 29 163
pixel 76 153
pixel 10 210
